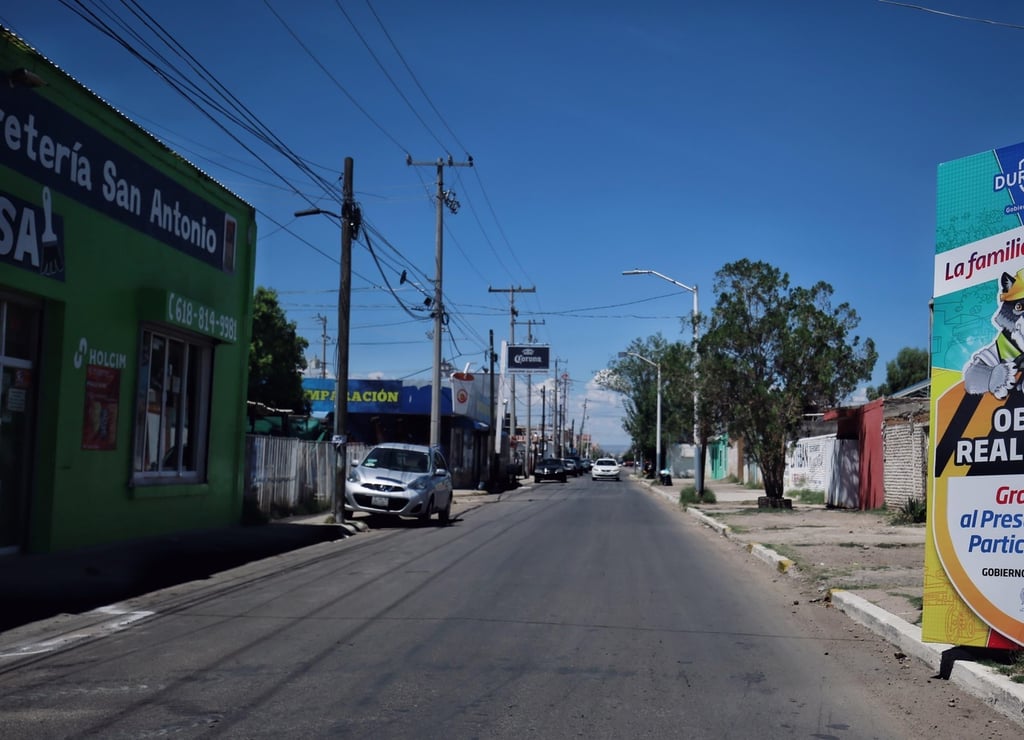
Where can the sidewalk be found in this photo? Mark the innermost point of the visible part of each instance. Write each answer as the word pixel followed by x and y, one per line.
pixel 40 586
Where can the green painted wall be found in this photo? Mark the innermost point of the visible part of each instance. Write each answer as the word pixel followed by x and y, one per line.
pixel 122 265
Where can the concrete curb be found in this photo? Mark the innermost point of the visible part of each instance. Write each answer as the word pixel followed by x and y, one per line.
pixel 996 690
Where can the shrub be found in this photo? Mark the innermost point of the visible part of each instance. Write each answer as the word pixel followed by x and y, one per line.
pixel 913 511
pixel 688 496
pixel 807 496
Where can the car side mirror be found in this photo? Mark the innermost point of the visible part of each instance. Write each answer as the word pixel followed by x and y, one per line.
pixel 440 471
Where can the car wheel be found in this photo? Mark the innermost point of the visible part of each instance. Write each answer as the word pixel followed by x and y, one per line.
pixel 424 516
pixel 536 479
pixel 445 515
pixel 562 479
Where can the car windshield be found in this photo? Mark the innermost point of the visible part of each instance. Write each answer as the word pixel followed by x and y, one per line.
pixel 406 461
pixel 550 461
pixel 606 462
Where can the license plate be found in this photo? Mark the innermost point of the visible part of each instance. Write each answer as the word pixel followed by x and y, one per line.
pixel 379 502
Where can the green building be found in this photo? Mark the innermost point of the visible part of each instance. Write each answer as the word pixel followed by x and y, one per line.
pixel 126 283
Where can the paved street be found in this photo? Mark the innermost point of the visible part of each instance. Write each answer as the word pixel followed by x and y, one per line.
pixel 558 610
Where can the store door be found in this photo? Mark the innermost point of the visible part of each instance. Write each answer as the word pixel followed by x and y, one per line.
pixel 19 343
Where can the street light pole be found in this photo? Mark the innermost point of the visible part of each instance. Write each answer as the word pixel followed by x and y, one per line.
pixel 657 432
pixel 698 463
pixel 350 222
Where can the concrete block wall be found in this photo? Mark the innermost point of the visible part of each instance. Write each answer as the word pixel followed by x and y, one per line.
pixel 906 462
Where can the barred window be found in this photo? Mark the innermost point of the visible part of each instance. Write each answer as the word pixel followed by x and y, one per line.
pixel 172 407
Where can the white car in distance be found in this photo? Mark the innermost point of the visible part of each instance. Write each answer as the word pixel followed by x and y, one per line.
pixel 604 468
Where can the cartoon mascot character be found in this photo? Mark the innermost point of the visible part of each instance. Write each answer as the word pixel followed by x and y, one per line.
pixel 993 369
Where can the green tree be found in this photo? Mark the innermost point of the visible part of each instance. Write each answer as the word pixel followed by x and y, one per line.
pixel 773 352
pixel 637 381
pixel 276 356
pixel 910 366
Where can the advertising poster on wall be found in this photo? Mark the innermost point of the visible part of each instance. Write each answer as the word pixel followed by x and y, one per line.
pixel 974 554
pixel 102 391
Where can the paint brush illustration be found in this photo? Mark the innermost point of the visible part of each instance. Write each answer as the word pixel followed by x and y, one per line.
pixel 53 253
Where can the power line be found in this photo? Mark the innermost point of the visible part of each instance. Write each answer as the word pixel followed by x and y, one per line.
pixel 970 18
pixel 333 79
pixel 380 65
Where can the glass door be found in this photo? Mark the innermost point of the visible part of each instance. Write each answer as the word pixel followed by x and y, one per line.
pixel 19 341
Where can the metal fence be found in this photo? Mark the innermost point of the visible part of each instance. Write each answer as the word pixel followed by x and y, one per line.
pixel 284 474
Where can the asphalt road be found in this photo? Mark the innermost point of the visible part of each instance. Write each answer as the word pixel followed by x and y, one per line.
pixel 561 610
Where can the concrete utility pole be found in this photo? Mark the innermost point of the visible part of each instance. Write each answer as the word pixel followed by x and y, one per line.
pixel 543 417
pixel 583 421
pixel 512 340
pixel 443 199
pixel 323 350
pixel 351 219
pixel 492 450
pixel 529 406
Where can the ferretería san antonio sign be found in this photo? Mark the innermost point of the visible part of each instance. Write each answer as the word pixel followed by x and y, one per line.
pixel 974 555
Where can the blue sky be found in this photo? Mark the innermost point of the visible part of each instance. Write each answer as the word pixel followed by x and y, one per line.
pixel 606 136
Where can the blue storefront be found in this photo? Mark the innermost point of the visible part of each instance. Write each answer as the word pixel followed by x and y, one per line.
pixel 399 411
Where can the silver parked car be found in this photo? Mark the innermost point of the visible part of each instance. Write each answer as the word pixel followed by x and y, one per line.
pixel 401 480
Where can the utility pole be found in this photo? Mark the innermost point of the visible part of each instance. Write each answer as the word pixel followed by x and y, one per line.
pixel 443 199
pixel 530 455
pixel 323 350
pixel 583 421
pixel 492 450
pixel 512 340
pixel 554 415
pixel 543 418
pixel 351 219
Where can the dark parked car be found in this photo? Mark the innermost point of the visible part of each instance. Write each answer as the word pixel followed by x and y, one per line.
pixel 571 468
pixel 550 468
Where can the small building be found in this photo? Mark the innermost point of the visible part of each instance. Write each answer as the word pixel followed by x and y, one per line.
pixel 126 283
pixel 399 411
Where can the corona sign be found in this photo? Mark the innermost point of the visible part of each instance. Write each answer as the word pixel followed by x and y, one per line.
pixel 974 554
pixel 528 358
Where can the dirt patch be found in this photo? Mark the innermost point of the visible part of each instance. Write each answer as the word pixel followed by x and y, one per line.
pixel 859 551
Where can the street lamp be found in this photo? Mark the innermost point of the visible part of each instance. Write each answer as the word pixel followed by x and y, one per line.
pixel 698 467
pixel 350 220
pixel 657 433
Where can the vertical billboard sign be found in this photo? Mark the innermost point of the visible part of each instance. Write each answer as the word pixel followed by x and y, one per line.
pixel 974 554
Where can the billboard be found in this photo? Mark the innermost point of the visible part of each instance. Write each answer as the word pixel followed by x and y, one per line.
pixel 527 358
pixel 974 554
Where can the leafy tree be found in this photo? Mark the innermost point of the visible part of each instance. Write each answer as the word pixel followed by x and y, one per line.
pixel 772 353
pixel 276 356
pixel 910 366
pixel 637 381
